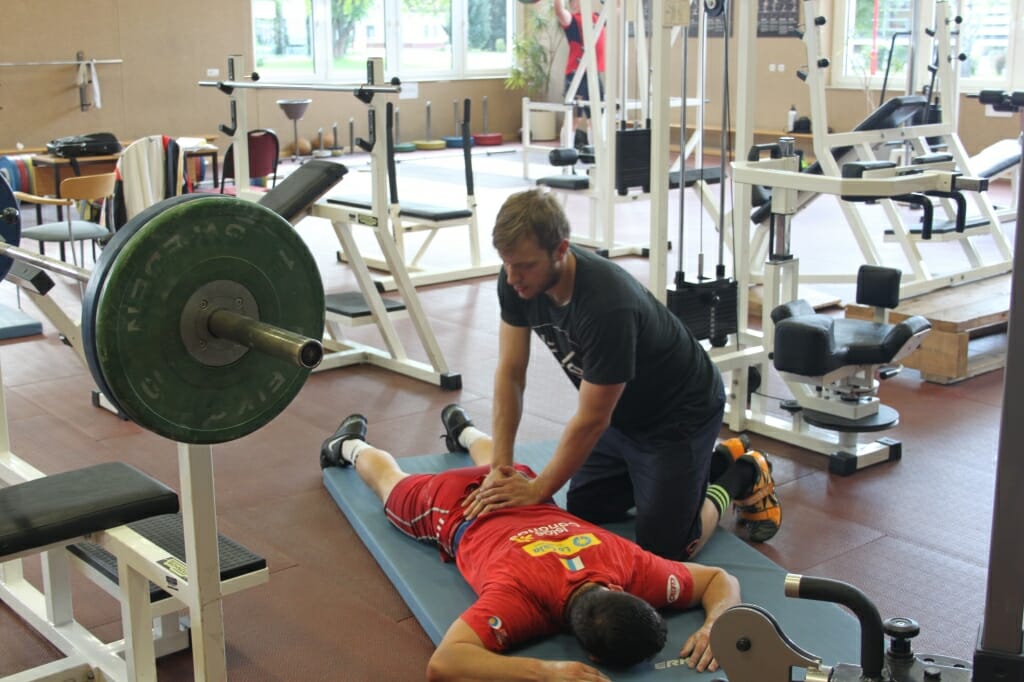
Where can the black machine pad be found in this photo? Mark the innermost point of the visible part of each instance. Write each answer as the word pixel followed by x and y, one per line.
pixel 64 506
pixel 298 191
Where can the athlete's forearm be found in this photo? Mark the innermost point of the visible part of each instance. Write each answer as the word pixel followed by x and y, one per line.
pixel 723 592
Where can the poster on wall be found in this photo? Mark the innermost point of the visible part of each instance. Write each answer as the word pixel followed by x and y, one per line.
pixel 714 17
pixel 778 18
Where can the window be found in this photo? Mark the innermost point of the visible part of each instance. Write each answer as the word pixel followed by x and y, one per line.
pixel 872 40
pixel 332 39
pixel 985 39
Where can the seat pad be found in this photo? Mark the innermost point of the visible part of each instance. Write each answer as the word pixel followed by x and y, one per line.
pixel 58 232
pixel 65 506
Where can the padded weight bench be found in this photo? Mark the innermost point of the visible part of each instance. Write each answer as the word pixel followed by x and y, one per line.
pixel 47 513
pixel 407 217
pixel 995 160
pixel 839 357
pixel 409 209
pixel 436 593
pixel 53 510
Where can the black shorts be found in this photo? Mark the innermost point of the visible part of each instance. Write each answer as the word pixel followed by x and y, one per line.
pixel 665 479
pixel 582 93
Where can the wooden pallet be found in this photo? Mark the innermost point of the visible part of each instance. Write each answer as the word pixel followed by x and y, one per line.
pixel 968 335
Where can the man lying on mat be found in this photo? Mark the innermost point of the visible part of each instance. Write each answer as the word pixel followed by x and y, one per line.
pixel 536 570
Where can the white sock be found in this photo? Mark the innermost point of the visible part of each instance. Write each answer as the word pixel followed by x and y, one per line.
pixel 470 435
pixel 350 449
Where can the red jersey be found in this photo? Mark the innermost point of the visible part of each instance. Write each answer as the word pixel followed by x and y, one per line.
pixel 574 36
pixel 524 564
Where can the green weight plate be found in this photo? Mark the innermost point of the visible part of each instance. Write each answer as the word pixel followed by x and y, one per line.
pixel 10 223
pixel 142 352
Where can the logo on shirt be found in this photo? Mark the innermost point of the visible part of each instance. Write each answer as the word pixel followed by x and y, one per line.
pixel 672 589
pixel 567 547
pixel 497 627
pixel 563 348
pixel 541 531
pixel 573 564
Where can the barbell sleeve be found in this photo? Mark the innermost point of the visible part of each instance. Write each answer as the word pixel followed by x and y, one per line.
pixel 265 338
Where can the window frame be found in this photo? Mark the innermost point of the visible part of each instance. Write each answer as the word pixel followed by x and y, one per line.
pixel 1013 80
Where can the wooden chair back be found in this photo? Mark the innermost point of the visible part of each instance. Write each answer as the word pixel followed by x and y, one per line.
pixel 88 187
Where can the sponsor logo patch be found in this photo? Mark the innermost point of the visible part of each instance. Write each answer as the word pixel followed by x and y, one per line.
pixel 500 635
pixel 565 547
pixel 672 589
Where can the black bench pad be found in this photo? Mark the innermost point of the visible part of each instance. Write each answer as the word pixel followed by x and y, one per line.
pixel 569 182
pixel 409 209
pixel 353 304
pixel 71 504
pixel 710 174
pixel 298 191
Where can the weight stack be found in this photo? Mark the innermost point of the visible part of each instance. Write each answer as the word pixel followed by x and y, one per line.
pixel 708 309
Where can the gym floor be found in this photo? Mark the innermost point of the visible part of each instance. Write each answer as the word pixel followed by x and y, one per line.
pixel 912 534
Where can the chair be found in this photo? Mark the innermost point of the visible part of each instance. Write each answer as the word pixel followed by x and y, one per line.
pixel 91 189
pixel 264 150
pixel 839 357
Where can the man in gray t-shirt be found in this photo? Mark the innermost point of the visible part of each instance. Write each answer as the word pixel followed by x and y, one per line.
pixel 650 405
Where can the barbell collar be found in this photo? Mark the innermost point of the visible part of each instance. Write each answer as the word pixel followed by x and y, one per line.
pixel 266 338
pixel 44 262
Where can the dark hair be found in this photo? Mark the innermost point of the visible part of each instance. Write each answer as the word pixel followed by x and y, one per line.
pixel 616 628
pixel 533 213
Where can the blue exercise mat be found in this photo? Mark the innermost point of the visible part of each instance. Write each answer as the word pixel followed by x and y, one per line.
pixel 436 593
pixel 15 324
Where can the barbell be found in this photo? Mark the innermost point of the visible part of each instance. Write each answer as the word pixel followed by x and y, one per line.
pixel 202 317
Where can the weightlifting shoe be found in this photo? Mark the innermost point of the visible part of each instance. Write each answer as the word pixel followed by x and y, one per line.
pixel 760 513
pixel 455 420
pixel 352 426
pixel 735 447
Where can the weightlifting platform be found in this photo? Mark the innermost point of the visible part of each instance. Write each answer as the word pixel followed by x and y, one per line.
pixel 436 593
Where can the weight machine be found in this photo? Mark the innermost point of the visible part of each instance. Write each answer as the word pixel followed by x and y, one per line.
pixel 621 158
pixel 917 137
pixel 842 413
pixel 751 647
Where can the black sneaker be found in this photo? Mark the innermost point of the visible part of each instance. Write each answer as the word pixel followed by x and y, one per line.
pixel 455 420
pixel 580 139
pixel 352 426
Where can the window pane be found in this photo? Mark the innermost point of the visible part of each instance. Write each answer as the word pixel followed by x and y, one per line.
pixel 357 33
pixel 985 39
pixel 871 26
pixel 426 36
pixel 487 38
pixel 283 38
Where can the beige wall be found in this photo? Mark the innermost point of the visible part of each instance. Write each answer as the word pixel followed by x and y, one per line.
pixel 167 47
